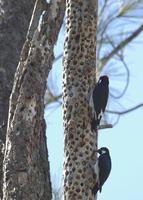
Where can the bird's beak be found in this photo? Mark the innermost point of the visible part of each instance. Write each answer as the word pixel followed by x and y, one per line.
pixel 99 151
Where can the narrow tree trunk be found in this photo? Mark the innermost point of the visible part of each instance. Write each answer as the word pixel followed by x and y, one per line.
pixel 78 79
pixel 14 20
pixel 26 168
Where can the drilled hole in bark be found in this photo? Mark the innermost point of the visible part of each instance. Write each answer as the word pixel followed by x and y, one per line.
pixel 83 176
pixel 86 131
pixel 30 74
pixel 78 132
pixel 82 184
pixel 68 12
pixel 66 188
pixel 38 195
pixel 81 95
pixel 80 3
pixel 66 173
pixel 73 188
pixel 68 116
pixel 66 39
pixel 77 37
pixel 73 143
pixel 73 169
pixel 71 136
pixel 84 125
pixel 72 154
pixel 32 64
pixel 82 136
pixel 74 62
pixel 81 155
pixel 87 147
pixel 71 94
pixel 70 108
pixel 76 84
pixel 87 140
pixel 78 125
pixel 76 139
pixel 76 183
pixel 70 183
pixel 22 108
pixel 69 46
pixel 82 144
pixel 74 158
pixel 73 32
pixel 78 190
pixel 91 149
pixel 77 177
pixel 91 143
pixel 46 49
pixel 86 152
pixel 80 171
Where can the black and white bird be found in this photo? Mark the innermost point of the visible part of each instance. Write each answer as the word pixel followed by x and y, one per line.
pixel 99 99
pixel 102 168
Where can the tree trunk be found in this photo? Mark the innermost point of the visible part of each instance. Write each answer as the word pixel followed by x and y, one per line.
pixel 78 79
pixel 26 168
pixel 14 20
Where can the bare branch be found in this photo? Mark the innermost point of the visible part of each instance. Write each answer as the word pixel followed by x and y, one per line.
pixel 121 57
pixel 50 98
pixel 125 111
pixel 104 126
pixel 58 57
pixel 120 46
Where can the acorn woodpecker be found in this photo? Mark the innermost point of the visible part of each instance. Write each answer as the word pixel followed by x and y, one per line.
pixel 102 168
pixel 99 98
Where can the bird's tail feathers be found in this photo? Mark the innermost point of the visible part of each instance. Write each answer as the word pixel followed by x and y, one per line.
pixel 95 189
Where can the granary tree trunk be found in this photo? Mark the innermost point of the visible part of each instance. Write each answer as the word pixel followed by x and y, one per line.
pixel 14 21
pixel 78 79
pixel 26 167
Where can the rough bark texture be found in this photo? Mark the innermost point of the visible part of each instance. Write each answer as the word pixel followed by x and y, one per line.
pixel 78 79
pixel 26 168
pixel 14 21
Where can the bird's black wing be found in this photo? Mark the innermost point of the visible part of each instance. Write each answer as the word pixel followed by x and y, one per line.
pixel 95 189
pixel 104 97
pixel 97 98
pixel 105 168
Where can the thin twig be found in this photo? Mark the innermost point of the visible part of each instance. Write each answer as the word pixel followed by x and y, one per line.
pixel 125 111
pixel 120 46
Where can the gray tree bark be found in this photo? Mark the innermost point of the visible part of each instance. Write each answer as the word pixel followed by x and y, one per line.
pixel 78 80
pixel 14 21
pixel 26 167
